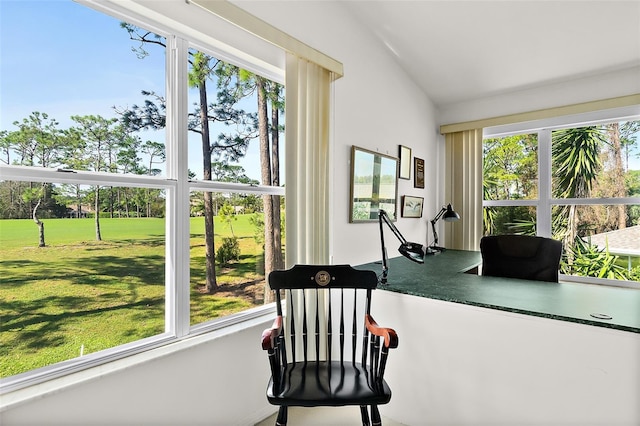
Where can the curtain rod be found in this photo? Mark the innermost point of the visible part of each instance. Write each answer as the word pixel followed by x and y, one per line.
pixel 244 20
pixel 622 101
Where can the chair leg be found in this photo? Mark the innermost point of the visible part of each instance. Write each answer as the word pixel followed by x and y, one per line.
pixel 375 416
pixel 365 415
pixel 282 416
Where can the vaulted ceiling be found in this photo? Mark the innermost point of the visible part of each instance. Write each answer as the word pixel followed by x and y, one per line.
pixel 463 50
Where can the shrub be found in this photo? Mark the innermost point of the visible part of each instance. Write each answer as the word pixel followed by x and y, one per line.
pixel 228 251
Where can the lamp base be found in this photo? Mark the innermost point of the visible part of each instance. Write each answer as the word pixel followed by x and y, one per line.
pixel 433 250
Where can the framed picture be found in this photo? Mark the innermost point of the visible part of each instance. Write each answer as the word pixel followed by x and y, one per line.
pixel 405 162
pixel 374 185
pixel 418 173
pixel 412 206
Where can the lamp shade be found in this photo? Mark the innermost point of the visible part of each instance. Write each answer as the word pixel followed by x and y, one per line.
pixel 450 215
pixel 412 251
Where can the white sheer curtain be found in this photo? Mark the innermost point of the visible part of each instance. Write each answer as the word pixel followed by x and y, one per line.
pixel 463 188
pixel 308 103
pixel 308 100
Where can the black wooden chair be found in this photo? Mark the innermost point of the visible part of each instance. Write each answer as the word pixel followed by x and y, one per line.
pixel 521 256
pixel 314 361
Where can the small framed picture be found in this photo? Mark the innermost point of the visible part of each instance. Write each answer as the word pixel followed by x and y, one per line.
pixel 418 173
pixel 412 206
pixel 405 162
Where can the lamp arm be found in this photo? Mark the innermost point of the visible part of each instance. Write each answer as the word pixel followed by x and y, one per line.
pixel 433 225
pixel 383 216
pixel 435 234
pixel 385 268
pixel 439 215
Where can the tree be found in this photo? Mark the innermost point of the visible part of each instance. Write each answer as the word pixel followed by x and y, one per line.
pixel 155 151
pixel 510 167
pixel 616 172
pixel 629 131
pixel 97 143
pixel 266 176
pixel 228 146
pixel 268 93
pixel 12 206
pixel 277 106
pixel 38 142
pixel 510 171
pixel 227 215
pixel 36 194
pixel 575 166
pixel 224 172
pixel 5 147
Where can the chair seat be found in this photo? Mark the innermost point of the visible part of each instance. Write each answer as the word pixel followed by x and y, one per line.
pixel 328 384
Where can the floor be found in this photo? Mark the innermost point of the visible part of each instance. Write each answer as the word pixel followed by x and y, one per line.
pixel 324 416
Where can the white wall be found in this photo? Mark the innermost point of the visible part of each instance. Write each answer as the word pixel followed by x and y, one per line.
pixel 464 365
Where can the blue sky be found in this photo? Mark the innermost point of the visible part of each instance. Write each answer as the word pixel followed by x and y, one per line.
pixel 62 58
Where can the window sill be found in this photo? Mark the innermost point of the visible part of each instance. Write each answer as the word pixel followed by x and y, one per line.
pixel 24 387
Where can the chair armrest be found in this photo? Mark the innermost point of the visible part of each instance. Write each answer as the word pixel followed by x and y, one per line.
pixel 270 334
pixel 389 334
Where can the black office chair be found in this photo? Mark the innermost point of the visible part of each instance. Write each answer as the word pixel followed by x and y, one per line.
pixel 332 352
pixel 521 256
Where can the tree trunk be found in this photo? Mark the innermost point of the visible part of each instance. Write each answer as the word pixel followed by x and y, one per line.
pixel 617 182
pixel 119 201
pixel 41 242
pixel 126 203
pixel 148 197
pixel 96 208
pixel 265 171
pixel 275 172
pixel 211 285
pixel 111 202
pixel 78 203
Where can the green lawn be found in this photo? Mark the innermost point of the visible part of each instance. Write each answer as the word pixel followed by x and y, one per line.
pixel 78 295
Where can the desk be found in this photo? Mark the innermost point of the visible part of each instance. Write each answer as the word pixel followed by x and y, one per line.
pixel 497 351
pixel 442 277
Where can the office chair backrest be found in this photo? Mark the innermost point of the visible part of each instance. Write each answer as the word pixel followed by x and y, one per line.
pixel 521 256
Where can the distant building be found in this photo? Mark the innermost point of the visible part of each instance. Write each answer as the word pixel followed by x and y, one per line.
pixel 72 212
pixel 621 242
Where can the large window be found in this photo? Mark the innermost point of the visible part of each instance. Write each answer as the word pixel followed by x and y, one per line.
pixel 141 198
pixel 578 184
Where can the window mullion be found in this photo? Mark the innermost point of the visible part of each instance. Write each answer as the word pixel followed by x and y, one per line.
pixel 177 264
pixel 543 212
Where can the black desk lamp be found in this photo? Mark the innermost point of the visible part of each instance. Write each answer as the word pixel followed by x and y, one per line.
pixel 412 251
pixel 448 215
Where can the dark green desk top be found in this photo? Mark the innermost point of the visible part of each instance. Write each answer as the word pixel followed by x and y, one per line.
pixel 442 277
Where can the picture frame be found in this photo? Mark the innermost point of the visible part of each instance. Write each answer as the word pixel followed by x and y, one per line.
pixel 405 162
pixel 374 185
pixel 412 206
pixel 418 172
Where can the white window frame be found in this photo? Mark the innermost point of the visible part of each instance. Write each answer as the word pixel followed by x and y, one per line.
pixel 178 189
pixel 544 202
